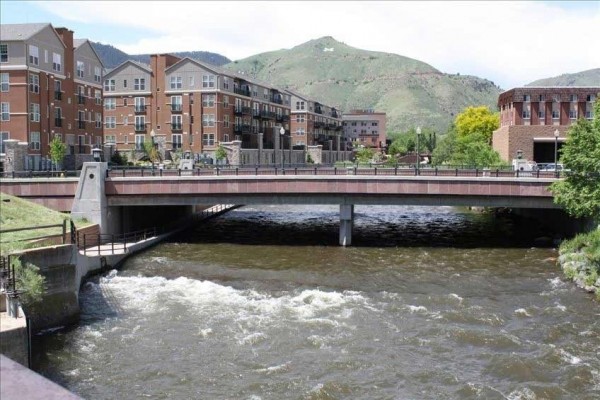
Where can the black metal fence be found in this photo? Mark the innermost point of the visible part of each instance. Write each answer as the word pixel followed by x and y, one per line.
pixel 108 244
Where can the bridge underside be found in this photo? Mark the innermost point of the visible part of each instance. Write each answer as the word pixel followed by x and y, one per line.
pixel 345 199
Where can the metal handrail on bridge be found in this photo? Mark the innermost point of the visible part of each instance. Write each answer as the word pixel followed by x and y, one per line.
pixel 303 169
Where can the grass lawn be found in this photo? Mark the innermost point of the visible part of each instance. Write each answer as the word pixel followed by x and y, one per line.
pixel 19 213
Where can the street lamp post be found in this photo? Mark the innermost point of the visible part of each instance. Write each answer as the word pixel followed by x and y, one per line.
pixel 556 134
pixel 418 157
pixel 282 133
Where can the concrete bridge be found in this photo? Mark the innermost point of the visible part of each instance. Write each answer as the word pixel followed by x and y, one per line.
pixel 118 202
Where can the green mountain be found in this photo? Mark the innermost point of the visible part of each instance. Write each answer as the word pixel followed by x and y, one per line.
pixel 410 92
pixel 591 77
pixel 112 57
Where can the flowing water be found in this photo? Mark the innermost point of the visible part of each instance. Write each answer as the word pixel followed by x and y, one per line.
pixel 430 303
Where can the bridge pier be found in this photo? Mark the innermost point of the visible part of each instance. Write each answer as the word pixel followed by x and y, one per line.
pixel 346 223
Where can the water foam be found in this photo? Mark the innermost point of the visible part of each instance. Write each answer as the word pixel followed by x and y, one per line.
pixel 522 312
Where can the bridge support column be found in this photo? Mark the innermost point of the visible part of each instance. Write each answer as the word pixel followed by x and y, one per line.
pixel 346 223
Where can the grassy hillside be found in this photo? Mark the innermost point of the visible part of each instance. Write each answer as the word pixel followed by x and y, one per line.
pixel 590 77
pixel 112 57
pixel 409 91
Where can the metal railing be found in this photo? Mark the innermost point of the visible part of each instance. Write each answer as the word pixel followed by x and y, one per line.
pixel 108 244
pixel 40 174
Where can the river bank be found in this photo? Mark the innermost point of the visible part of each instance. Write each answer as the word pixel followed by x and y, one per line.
pixel 580 261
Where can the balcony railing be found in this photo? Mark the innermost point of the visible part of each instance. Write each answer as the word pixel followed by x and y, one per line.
pixel 267 114
pixel 243 92
pixel 80 99
pixel 140 108
pixel 318 110
pixel 318 124
pixel 176 107
pixel 334 114
pixel 176 127
pixel 58 122
pixel 140 127
pixel 80 124
pixel 57 95
pixel 242 128
pixel 277 99
pixel 255 113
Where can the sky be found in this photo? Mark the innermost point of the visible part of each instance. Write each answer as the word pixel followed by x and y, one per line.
pixel 510 43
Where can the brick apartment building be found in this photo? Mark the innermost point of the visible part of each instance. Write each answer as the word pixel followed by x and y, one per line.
pixel 184 104
pixel 314 123
pixel 366 127
pixel 51 86
pixel 529 117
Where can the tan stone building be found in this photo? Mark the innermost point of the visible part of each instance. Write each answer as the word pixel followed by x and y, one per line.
pixel 366 127
pixel 50 87
pixel 530 117
pixel 184 104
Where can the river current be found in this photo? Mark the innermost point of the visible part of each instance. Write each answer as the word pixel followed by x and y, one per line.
pixel 261 303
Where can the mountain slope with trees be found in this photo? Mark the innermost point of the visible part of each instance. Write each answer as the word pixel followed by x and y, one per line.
pixel 411 92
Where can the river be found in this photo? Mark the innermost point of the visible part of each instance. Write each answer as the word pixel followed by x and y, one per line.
pixel 261 303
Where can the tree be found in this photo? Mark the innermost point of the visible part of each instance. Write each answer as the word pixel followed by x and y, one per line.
pixel 474 151
pixel 443 152
pixel 57 151
pixel 579 192
pixel 364 155
pixel 221 153
pixel 477 120
pixel 151 151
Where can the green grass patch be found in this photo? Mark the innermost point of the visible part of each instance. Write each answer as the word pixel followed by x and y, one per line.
pixel 18 213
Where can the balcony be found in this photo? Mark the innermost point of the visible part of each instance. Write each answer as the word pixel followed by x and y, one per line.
pixel 140 127
pixel 57 95
pixel 318 110
pixel 80 99
pixel 255 113
pixel 242 91
pixel 267 114
pixel 58 122
pixel 318 124
pixel 334 114
pixel 239 110
pixel 80 124
pixel 140 108
pixel 176 127
pixel 242 128
pixel 277 99
pixel 176 107
pixel 332 126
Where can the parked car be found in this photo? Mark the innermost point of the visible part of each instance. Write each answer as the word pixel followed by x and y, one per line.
pixel 551 167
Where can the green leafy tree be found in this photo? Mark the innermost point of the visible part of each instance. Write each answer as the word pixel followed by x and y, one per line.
pixel 364 155
pixel 151 151
pixel 477 120
pixel 579 192
pixel 29 282
pixel 58 150
pixel 474 151
pixel 221 153
pixel 444 150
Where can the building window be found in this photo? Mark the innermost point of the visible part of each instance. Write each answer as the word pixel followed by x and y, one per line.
pixel 34 54
pixel 555 114
pixel 299 132
pixel 4 111
pixel 541 114
pixel 300 118
pixel 3 53
pixel 208 100
pixel 299 105
pixel 208 81
pixel 34 83
pixel 140 123
pixel 3 136
pixel 80 69
pixel 110 103
pixel 573 114
pixel 109 85
pixel 4 82
pixel 34 112
pixel 176 122
pixel 208 120
pixel 176 103
pixel 589 114
pixel 139 84
pixel 110 122
pixel 97 74
pixel 526 114
pixel 98 120
pixel 176 140
pixel 125 121
pixel 590 98
pixel 124 83
pixel 541 97
pixel 110 139
pixel 56 62
pixel 58 117
pixel 140 104
pixel 527 98
pixel 373 123
pixel 226 101
pixel 573 97
pixel 34 140
pixel 208 139
pixel 176 82
pixel 139 142
pixel 226 121
pixel 97 96
pixel 225 83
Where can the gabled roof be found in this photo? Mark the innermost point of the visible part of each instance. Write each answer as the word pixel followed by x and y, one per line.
pixel 199 63
pixel 20 31
pixel 79 42
pixel 135 63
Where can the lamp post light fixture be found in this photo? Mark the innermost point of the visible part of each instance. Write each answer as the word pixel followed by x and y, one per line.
pixel 418 156
pixel 282 133
pixel 556 135
pixel 96 154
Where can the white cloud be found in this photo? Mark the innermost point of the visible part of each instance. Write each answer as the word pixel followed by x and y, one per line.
pixel 511 43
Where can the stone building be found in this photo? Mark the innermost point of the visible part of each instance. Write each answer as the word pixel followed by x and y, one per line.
pixel 534 120
pixel 50 86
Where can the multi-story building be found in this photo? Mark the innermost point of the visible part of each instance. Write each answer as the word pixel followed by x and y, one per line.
pixel 50 87
pixel 530 117
pixel 366 127
pixel 184 104
pixel 314 123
